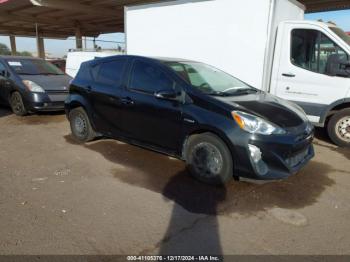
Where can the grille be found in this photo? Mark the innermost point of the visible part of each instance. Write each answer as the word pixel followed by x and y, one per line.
pixel 298 158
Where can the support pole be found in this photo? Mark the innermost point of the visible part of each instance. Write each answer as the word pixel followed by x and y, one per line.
pixel 78 38
pixel 13 45
pixel 40 43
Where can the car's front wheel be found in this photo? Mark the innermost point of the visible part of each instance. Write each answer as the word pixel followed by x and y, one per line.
pixel 80 125
pixel 17 105
pixel 209 159
pixel 339 128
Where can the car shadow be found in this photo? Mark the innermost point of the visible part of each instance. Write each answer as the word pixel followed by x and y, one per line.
pixel 323 140
pixel 321 134
pixel 4 111
pixel 42 118
pixel 170 177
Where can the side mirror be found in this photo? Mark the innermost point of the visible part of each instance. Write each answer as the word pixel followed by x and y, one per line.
pixel 343 70
pixel 3 73
pixel 168 94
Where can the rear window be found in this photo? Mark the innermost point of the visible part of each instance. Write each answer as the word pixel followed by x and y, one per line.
pixel 33 67
pixel 110 73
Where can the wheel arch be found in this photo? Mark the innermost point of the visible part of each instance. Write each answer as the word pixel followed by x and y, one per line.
pixel 76 101
pixel 333 108
pixel 214 131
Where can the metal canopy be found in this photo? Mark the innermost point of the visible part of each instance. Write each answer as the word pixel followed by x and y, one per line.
pixel 64 18
pixel 325 5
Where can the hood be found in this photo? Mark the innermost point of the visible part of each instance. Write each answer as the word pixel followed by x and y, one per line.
pixel 50 82
pixel 276 110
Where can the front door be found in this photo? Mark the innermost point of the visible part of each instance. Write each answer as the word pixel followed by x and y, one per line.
pixel 304 75
pixel 149 119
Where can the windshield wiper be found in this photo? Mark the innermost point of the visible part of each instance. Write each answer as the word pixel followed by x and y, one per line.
pixel 29 74
pixel 239 92
pixel 48 74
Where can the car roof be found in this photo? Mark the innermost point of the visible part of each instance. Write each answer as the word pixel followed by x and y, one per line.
pixel 159 59
pixel 9 57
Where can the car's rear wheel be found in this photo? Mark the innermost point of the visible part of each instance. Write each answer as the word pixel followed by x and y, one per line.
pixel 339 128
pixel 209 159
pixel 17 105
pixel 80 125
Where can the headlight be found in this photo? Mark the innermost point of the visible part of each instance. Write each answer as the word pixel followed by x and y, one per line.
pixel 33 87
pixel 256 125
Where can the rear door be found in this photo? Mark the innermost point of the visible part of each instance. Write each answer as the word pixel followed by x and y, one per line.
pixel 303 76
pixel 146 118
pixel 106 91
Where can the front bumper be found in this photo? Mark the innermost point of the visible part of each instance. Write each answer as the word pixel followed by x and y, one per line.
pixel 281 156
pixel 49 101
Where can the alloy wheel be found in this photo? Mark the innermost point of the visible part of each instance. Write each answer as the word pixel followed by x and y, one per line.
pixel 207 160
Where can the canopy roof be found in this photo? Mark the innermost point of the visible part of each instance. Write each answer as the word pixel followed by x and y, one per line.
pixel 62 18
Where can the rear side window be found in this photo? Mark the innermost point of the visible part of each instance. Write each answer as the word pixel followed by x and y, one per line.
pixel 2 67
pixel 110 73
pixel 149 79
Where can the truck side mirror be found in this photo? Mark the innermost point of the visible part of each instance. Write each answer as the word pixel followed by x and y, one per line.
pixel 344 69
pixel 336 66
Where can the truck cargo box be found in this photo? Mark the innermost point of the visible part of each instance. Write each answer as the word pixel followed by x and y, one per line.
pixel 235 36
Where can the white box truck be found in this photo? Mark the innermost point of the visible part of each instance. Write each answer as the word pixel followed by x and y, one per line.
pixel 266 43
pixel 76 58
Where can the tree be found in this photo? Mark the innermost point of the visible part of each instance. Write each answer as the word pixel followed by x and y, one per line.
pixel 24 53
pixel 4 50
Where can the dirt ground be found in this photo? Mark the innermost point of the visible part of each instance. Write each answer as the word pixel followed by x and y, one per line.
pixel 106 197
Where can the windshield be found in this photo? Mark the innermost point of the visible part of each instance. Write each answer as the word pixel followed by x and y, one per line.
pixel 33 67
pixel 208 79
pixel 341 34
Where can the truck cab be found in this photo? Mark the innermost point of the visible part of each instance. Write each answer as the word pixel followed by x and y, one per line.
pixel 311 67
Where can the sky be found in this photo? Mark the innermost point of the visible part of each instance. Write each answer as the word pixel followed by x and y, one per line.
pixel 58 48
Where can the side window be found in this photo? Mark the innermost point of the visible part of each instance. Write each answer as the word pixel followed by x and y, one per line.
pixel 149 79
pixel 314 51
pixel 329 51
pixel 110 73
pixel 304 49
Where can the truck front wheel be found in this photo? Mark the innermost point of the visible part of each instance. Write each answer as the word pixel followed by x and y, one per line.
pixel 339 128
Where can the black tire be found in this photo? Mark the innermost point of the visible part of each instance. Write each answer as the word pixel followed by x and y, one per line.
pixel 209 159
pixel 80 125
pixel 17 105
pixel 339 128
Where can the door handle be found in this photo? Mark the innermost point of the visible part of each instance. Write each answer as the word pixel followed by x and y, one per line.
pixel 88 89
pixel 288 75
pixel 127 101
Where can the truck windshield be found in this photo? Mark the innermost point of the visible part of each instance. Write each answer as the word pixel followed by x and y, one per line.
pixel 33 67
pixel 341 34
pixel 210 80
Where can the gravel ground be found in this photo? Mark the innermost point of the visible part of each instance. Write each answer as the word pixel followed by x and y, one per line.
pixel 106 197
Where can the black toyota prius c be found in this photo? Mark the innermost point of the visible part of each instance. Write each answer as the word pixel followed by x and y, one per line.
pixel 220 126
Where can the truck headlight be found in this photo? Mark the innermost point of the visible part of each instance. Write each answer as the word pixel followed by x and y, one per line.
pixel 33 87
pixel 256 125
